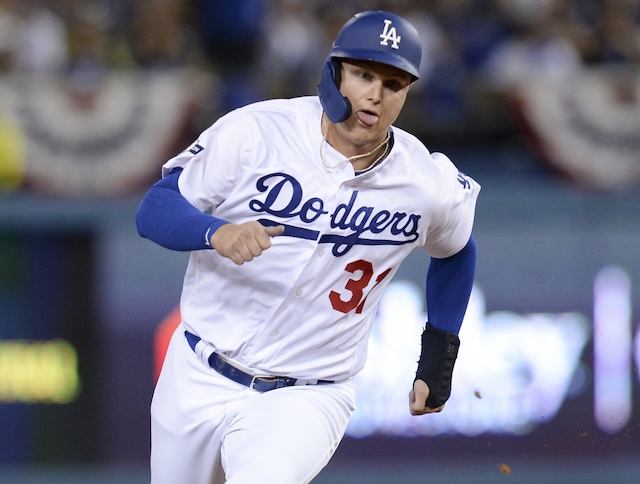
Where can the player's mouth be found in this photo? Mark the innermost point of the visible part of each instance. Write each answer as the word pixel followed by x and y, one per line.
pixel 368 118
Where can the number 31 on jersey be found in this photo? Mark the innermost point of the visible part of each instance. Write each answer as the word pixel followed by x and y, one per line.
pixel 356 286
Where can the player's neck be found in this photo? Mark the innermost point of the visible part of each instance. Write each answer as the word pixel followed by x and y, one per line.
pixel 361 156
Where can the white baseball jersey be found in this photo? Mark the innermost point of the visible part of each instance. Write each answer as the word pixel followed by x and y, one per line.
pixel 304 308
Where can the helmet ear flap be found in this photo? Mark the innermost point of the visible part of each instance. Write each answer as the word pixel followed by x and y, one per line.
pixel 336 106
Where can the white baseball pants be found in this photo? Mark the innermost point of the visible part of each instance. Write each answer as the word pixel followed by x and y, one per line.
pixel 207 429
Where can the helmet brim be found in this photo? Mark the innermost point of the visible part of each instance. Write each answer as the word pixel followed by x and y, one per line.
pixel 376 56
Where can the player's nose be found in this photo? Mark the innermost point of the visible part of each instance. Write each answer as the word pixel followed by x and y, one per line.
pixel 375 91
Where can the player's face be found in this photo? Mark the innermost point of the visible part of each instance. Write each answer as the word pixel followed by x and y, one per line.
pixel 377 93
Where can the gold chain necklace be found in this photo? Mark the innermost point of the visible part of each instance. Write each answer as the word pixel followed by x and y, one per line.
pixel 376 161
pixel 354 157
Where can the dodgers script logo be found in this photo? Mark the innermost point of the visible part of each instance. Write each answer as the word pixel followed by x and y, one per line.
pixel 285 199
pixel 390 34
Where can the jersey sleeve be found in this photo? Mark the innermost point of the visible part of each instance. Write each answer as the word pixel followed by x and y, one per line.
pixel 451 227
pixel 212 164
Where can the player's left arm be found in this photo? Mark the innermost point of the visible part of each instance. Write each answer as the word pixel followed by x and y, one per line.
pixel 449 284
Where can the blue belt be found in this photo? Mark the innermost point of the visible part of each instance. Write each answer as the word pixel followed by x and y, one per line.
pixel 258 383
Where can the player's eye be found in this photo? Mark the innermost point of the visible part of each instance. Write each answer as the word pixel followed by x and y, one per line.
pixel 396 84
pixel 393 84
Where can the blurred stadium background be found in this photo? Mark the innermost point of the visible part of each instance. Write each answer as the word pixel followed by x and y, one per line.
pixel 538 100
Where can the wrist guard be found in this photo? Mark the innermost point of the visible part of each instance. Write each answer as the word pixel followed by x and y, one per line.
pixel 435 367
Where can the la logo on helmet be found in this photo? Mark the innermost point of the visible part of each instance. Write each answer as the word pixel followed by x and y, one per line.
pixel 390 34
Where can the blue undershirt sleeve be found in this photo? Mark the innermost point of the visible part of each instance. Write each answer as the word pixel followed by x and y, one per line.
pixel 449 284
pixel 168 219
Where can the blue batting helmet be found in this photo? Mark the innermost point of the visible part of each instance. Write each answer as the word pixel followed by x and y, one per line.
pixel 376 36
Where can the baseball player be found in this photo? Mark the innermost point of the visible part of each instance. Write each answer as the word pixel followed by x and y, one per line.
pixel 297 214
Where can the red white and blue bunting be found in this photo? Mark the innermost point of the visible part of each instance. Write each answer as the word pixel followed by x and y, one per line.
pixel 587 127
pixel 103 143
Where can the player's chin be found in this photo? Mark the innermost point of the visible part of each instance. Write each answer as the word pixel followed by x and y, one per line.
pixel 362 134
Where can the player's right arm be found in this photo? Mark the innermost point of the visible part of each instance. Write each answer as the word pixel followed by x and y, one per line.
pixel 168 219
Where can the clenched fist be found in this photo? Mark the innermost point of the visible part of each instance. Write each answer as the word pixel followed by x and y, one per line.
pixel 418 399
pixel 242 242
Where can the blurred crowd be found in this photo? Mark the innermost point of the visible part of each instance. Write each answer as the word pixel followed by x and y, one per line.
pixel 273 48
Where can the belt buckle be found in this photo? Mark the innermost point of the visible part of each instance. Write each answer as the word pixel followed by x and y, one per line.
pixel 264 378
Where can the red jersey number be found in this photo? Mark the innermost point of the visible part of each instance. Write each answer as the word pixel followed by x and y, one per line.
pixel 363 272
